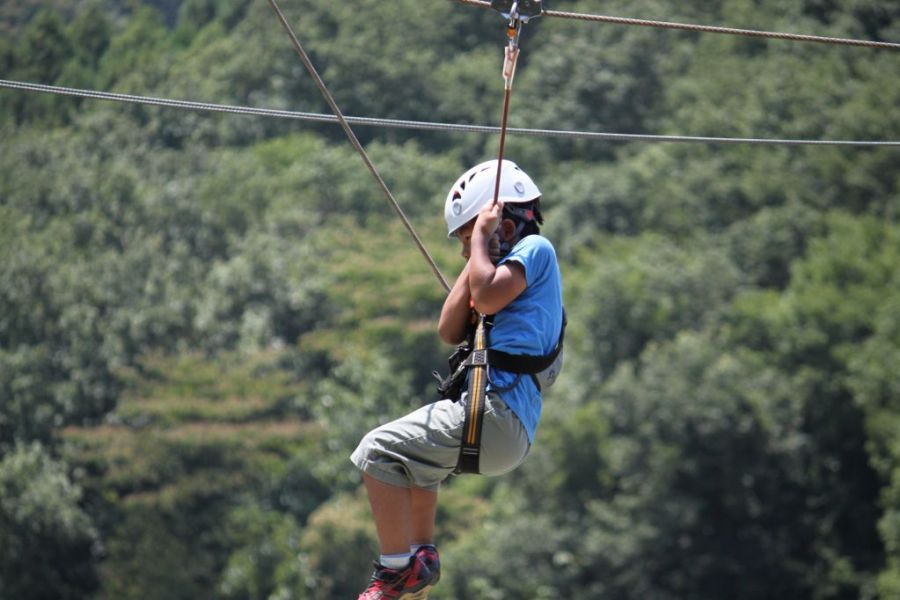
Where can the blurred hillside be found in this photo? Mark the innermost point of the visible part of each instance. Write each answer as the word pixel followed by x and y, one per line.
pixel 201 314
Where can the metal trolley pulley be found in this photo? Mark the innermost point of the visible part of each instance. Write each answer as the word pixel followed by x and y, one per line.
pixel 518 9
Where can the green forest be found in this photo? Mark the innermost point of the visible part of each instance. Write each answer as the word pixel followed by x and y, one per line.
pixel 202 313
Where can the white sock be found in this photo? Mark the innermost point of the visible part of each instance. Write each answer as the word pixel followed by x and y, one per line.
pixel 395 561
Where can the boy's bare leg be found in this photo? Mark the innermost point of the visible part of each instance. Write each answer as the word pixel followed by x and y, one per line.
pixel 424 510
pixel 391 507
pixel 403 516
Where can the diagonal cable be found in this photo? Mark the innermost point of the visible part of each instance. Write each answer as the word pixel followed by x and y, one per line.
pixel 794 37
pixel 353 140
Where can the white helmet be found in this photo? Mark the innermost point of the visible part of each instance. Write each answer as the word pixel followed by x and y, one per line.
pixel 475 189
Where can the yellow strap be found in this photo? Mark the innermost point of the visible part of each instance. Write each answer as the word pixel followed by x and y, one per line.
pixel 479 377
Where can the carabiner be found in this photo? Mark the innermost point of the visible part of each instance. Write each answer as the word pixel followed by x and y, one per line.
pixel 514 28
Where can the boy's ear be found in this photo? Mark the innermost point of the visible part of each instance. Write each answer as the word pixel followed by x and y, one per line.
pixel 507 229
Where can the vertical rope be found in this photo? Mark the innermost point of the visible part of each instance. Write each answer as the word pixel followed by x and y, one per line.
pixel 511 55
pixel 503 119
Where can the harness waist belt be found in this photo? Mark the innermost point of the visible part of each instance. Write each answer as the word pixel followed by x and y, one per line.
pixel 521 363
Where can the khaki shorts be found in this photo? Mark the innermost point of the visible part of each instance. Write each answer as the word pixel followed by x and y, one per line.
pixel 422 448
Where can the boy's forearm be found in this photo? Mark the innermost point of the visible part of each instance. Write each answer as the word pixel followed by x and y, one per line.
pixel 456 311
pixel 492 287
pixel 481 269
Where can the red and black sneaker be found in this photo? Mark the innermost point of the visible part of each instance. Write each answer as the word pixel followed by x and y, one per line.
pixel 428 554
pixel 411 583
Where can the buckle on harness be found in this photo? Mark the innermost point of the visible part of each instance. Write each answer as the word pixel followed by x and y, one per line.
pixel 478 358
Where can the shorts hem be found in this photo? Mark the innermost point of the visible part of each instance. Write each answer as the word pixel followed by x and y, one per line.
pixel 385 475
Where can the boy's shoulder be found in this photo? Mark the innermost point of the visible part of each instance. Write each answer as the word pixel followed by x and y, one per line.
pixel 537 255
pixel 534 243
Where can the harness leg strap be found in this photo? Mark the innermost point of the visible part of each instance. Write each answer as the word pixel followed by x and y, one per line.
pixel 470 444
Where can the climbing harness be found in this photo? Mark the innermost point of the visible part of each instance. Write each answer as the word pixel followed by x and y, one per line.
pixel 470 442
pixel 471 363
pixel 543 370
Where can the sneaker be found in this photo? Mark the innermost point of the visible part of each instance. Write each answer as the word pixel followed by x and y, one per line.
pixel 429 555
pixel 411 583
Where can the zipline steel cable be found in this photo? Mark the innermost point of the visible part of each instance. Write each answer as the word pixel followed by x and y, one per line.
pixel 794 37
pixel 420 125
pixel 326 94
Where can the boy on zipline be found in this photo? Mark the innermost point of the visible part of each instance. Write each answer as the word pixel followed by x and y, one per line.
pixel 511 272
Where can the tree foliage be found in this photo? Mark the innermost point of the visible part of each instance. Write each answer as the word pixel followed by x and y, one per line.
pixel 200 314
pixel 49 542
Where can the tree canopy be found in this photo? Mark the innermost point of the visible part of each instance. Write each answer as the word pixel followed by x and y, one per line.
pixel 200 313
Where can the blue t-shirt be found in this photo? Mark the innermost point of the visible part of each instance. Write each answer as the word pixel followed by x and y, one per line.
pixel 530 324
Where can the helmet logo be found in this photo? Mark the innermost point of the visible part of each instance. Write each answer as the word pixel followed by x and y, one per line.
pixel 457 208
pixel 520 187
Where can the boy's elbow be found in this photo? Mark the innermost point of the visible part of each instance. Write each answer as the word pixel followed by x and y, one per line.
pixel 450 335
pixel 445 336
pixel 486 304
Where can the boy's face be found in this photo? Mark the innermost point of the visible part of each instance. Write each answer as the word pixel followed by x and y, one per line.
pixel 464 234
pixel 505 232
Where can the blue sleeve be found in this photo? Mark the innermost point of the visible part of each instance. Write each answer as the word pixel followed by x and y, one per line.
pixel 535 253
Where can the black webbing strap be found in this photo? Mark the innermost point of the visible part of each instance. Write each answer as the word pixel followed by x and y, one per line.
pixel 522 363
pixel 527 364
pixel 470 446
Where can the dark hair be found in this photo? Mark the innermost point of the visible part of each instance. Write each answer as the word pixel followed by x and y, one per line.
pixel 516 212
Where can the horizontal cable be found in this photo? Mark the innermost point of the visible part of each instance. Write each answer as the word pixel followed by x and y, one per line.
pixel 794 37
pixel 422 125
